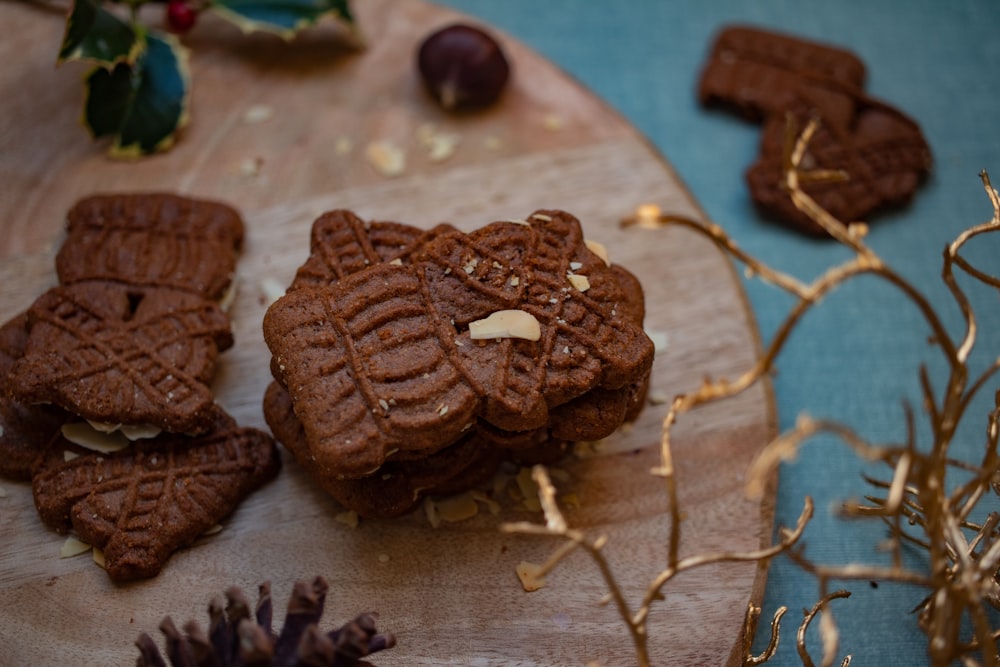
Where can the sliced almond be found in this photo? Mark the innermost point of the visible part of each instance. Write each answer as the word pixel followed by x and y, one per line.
pixel 349 519
pixel 98 557
pixel 457 508
pixel 530 576
pixel 598 249
pixel 73 546
pixel 83 434
pixel 140 431
pixel 272 290
pixel 659 339
pixel 506 324
pixel 580 282
pixel 387 158
pixel 214 530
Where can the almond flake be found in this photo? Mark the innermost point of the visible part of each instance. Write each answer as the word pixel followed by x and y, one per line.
pixel 575 266
pixel 442 146
pixel 657 398
pixel 530 576
pixel 542 217
pixel 457 508
pixel 214 530
pixel 83 434
pixel 258 113
pixel 506 324
pixel 98 557
pixel 73 547
pixel 349 519
pixel 581 283
pixel 387 158
pixel 397 262
pixel 272 290
pixel 598 249
pixel 514 281
pixel 140 431
pixel 492 505
pixel 431 511
pixel 659 339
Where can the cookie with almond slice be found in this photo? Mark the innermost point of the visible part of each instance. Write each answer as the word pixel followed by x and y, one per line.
pixel 142 503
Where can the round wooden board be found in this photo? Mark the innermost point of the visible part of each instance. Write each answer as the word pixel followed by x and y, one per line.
pixel 450 593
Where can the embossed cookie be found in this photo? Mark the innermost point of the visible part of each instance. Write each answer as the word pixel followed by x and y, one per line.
pixel 24 429
pixel 384 359
pixel 759 72
pixel 120 354
pixel 397 487
pixel 146 501
pixel 153 240
pixel 881 152
pixel 777 79
pixel 341 243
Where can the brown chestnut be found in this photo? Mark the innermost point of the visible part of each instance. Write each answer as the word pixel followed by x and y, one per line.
pixel 462 66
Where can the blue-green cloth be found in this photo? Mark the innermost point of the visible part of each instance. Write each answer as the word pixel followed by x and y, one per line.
pixel 856 357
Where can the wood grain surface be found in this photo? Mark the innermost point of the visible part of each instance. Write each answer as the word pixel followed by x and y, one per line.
pixel 450 593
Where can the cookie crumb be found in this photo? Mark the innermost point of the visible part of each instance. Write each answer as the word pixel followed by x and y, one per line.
pixel 258 113
pixel 386 157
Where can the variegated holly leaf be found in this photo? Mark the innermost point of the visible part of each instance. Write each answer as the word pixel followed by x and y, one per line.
pixel 95 34
pixel 142 105
pixel 284 17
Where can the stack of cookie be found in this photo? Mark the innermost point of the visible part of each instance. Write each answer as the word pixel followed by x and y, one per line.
pixel 411 362
pixel 879 152
pixel 107 406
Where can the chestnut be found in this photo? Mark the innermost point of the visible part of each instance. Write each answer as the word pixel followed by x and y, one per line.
pixel 462 66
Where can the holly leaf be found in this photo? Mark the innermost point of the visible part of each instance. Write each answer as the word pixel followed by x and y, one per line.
pixel 284 17
pixel 95 34
pixel 143 105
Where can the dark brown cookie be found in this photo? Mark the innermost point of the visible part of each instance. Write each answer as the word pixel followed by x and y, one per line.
pixel 341 243
pixel 143 503
pixel 882 153
pixel 758 73
pixel 588 339
pixel 384 359
pixel 785 82
pixel 153 240
pixel 24 429
pixel 397 486
pixel 119 354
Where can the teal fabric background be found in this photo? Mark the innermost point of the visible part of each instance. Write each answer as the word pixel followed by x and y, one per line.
pixel 855 358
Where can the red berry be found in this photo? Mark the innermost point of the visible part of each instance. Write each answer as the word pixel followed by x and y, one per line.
pixel 180 16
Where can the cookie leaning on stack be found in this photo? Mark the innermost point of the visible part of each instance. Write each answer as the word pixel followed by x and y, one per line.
pixel 410 362
pixel 127 344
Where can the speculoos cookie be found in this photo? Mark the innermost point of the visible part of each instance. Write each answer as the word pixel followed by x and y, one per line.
pixel 142 503
pixel 374 348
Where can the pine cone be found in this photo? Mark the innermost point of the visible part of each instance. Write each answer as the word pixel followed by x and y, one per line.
pixel 235 639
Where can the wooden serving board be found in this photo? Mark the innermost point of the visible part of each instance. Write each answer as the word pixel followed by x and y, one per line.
pixel 450 593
